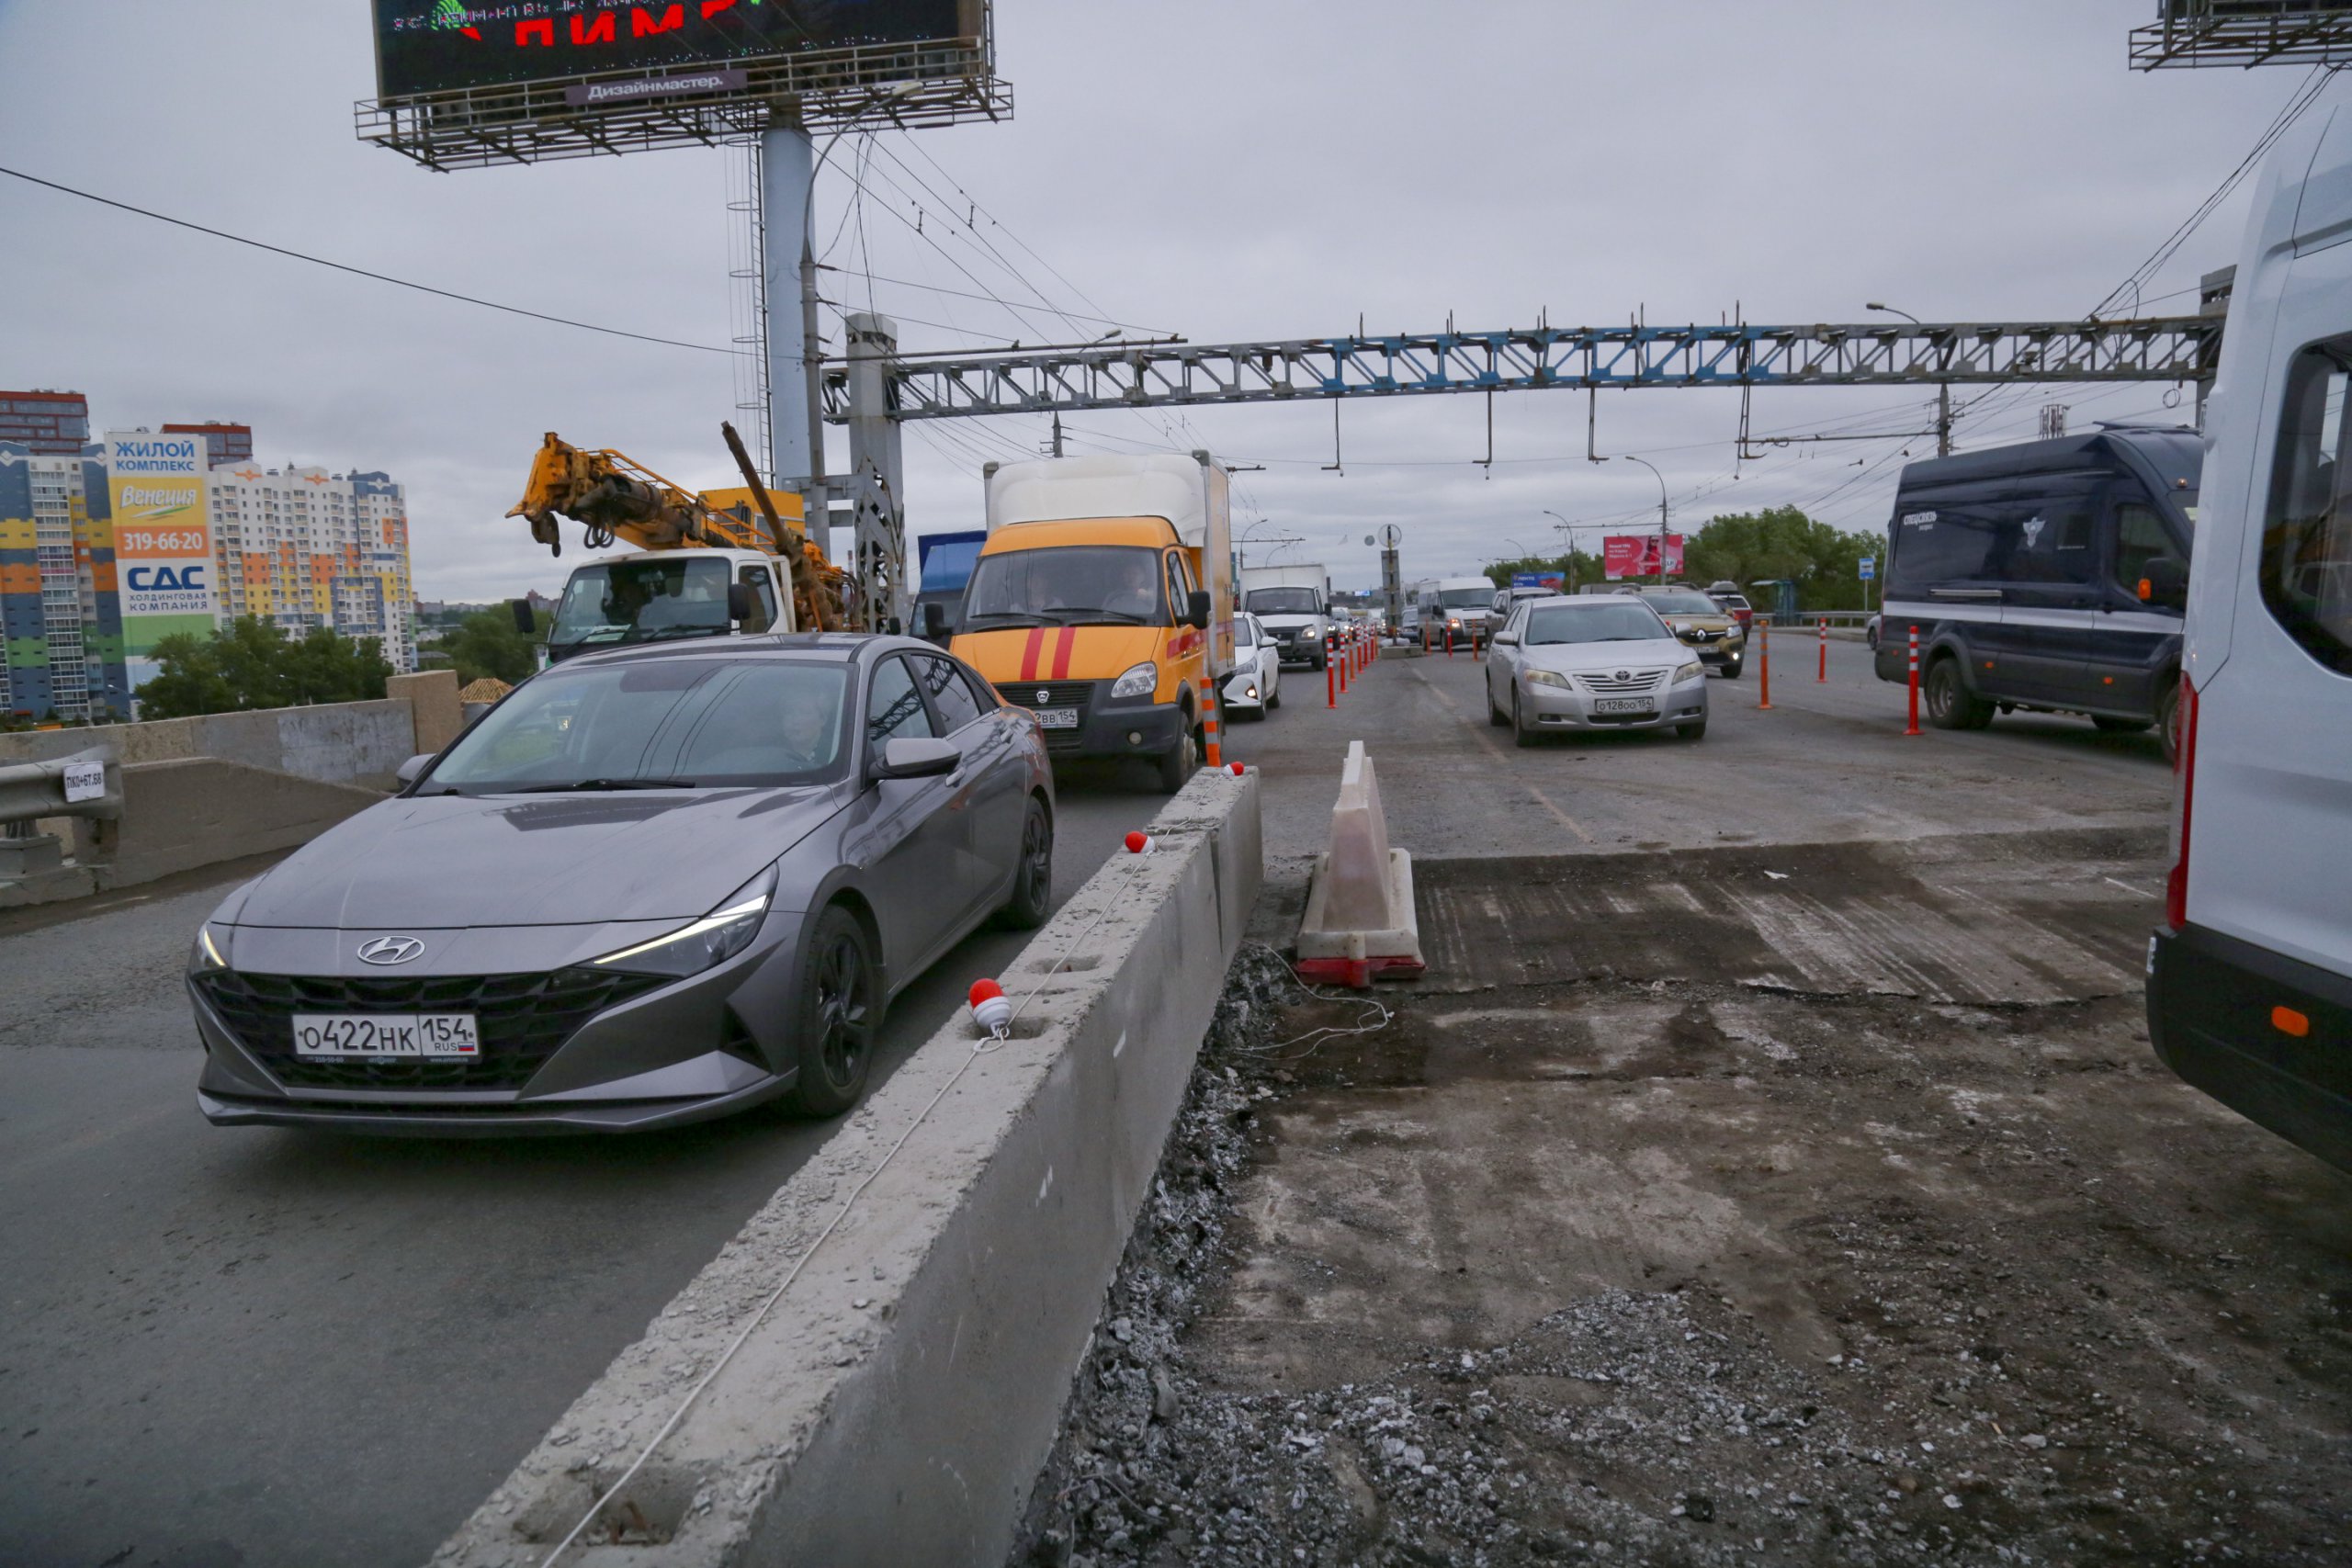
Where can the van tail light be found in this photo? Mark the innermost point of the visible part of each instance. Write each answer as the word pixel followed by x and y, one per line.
pixel 2185 766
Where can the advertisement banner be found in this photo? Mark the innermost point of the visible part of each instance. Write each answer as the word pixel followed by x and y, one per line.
pixel 162 537
pixel 1635 554
pixel 438 46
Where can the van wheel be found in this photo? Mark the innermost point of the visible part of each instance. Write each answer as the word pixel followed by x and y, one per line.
pixel 2114 726
pixel 2168 722
pixel 1951 705
pixel 1178 765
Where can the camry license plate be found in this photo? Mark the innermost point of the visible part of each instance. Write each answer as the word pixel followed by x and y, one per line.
pixel 1056 719
pixel 425 1034
pixel 1622 704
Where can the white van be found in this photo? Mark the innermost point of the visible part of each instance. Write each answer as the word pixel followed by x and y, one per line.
pixel 2250 979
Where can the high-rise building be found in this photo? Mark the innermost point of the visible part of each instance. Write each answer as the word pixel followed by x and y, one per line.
pixel 306 547
pixel 223 444
pixel 61 652
pixel 55 424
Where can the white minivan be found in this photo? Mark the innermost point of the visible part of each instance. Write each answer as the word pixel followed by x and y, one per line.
pixel 2250 979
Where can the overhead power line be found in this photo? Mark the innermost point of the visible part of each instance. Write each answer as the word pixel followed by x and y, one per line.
pixel 361 271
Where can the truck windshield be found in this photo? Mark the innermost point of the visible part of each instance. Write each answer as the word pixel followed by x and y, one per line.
pixel 657 722
pixel 1467 598
pixel 1067 585
pixel 1284 602
pixel 641 601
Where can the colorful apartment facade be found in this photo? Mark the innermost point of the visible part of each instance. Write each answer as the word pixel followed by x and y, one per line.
pixel 61 652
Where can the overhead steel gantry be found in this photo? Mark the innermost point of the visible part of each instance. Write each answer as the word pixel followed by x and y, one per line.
pixel 1131 375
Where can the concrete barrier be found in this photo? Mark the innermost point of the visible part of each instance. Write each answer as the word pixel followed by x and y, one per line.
pixel 199 811
pixel 912 1305
pixel 332 742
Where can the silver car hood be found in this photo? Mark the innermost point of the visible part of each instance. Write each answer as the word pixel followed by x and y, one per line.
pixel 1593 658
pixel 451 860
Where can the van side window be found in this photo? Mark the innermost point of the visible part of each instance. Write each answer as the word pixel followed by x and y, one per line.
pixel 2306 562
pixel 2140 538
pixel 1177 593
pixel 1944 544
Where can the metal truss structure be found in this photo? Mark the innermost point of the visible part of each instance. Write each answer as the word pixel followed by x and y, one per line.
pixel 1113 376
pixel 2243 33
pixel 907 85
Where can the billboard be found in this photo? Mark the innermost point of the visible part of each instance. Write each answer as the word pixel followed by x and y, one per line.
pixel 1635 554
pixel 1553 581
pixel 440 46
pixel 163 540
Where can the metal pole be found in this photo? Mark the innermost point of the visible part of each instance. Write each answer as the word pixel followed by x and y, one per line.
pixel 787 175
pixel 1914 728
pixel 1661 513
pixel 1764 677
pixel 1943 419
pixel 878 478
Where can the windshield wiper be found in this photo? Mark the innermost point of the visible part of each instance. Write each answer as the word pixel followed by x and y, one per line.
pixel 663 634
pixel 607 784
pixel 1017 617
pixel 1116 618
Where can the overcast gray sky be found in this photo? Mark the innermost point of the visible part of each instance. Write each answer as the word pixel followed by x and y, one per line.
pixel 1228 169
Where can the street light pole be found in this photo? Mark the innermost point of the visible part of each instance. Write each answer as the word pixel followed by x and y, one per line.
pixel 1570 528
pixel 1661 513
pixel 1943 388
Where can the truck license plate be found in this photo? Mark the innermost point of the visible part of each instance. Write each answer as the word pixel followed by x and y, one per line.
pixel 425 1034
pixel 1622 704
pixel 1056 719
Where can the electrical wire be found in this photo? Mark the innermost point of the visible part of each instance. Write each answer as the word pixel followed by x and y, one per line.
pixel 361 271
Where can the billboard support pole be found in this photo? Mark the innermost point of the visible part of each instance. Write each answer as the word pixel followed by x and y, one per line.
pixel 787 182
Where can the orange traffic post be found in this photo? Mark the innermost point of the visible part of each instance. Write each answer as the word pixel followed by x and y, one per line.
pixel 1823 632
pixel 1449 642
pixel 1331 682
pixel 1764 676
pixel 1209 731
pixel 1914 682
pixel 1340 663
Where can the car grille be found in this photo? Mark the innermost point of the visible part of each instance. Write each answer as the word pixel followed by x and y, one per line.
pixel 1637 683
pixel 1702 634
pixel 522 1019
pixel 1047 694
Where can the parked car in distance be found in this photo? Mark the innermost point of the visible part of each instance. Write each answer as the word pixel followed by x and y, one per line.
pixel 652 887
pixel 1869 632
pixel 1728 597
pixel 1254 689
pixel 1564 664
pixel 2049 576
pixel 1702 625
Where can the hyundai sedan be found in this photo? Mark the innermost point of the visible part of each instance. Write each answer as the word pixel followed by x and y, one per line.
pixel 1598 662
pixel 650 887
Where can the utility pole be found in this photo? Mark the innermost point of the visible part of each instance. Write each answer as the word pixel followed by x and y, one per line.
pixel 1057 435
pixel 1661 513
pixel 1943 419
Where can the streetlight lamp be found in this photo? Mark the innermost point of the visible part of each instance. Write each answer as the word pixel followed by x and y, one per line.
pixel 1570 528
pixel 1661 511
pixel 1943 388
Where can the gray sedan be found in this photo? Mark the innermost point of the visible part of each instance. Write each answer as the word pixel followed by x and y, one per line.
pixel 650 887
pixel 1594 662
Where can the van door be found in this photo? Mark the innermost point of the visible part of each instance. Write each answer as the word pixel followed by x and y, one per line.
pixel 2134 647
pixel 2049 596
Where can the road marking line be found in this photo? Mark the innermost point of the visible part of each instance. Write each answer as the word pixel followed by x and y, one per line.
pixel 1496 752
pixel 2129 888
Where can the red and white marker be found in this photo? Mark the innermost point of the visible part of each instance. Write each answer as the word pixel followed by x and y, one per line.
pixel 1236 768
pixel 1140 843
pixel 990 1009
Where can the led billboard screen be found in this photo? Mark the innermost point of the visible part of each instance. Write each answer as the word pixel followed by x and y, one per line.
pixel 438 46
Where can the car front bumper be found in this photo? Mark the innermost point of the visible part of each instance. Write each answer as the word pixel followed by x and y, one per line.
pixel 1238 693
pixel 1552 707
pixel 1721 652
pixel 556 1054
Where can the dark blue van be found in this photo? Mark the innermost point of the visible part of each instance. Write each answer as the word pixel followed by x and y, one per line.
pixel 2048 576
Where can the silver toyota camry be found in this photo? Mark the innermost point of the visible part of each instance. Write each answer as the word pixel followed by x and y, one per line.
pixel 650 887
pixel 1598 662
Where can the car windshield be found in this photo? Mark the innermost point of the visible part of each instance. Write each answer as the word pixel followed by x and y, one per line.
pixel 608 602
pixel 1283 601
pixel 655 723
pixel 1467 598
pixel 1066 586
pixel 1683 601
pixel 1599 622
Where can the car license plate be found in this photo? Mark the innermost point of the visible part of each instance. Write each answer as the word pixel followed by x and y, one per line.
pixel 425 1034
pixel 1056 719
pixel 1622 704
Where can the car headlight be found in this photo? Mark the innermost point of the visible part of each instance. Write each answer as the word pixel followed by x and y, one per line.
pixel 204 956
pixel 1253 694
pixel 1547 678
pixel 715 938
pixel 1694 671
pixel 1139 682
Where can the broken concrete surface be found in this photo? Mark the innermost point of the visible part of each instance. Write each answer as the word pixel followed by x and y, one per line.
pixel 1658 1238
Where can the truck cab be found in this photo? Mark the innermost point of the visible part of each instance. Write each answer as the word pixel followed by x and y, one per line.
pixel 657 595
pixel 1294 604
pixel 1102 603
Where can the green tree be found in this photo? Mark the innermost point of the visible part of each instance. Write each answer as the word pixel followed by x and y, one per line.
pixel 1587 568
pixel 253 664
pixel 489 643
pixel 1782 542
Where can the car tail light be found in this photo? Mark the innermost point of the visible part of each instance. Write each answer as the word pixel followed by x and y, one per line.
pixel 2185 767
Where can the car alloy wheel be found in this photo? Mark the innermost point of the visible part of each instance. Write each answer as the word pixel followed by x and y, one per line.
pixel 839 1017
pixel 1033 882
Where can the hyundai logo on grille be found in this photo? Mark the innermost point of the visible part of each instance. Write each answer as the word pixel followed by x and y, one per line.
pixel 1043 695
pixel 389 950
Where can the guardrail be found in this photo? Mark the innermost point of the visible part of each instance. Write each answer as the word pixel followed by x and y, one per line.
pixel 88 783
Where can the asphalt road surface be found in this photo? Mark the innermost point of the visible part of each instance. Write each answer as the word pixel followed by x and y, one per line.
pixel 229 1349
pixel 267 1346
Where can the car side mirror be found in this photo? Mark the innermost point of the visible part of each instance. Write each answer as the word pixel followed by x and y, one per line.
pixel 408 773
pixel 739 603
pixel 916 759
pixel 2164 582
pixel 934 621
pixel 525 622
pixel 1197 608
pixel 1505 639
